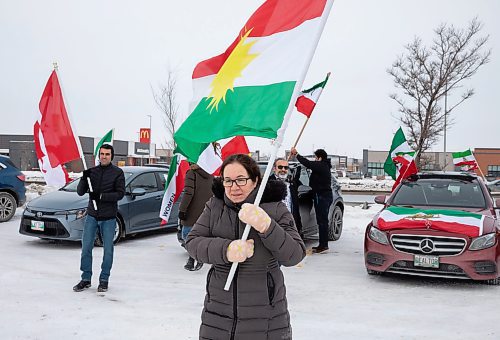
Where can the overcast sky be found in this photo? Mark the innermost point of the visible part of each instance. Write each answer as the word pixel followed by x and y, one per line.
pixel 111 52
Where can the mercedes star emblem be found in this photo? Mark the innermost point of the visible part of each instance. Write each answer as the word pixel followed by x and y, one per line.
pixel 427 245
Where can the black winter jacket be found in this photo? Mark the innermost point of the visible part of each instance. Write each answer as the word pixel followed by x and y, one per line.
pixel 109 181
pixel 321 177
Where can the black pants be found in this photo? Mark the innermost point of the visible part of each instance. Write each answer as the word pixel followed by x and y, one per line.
pixel 322 202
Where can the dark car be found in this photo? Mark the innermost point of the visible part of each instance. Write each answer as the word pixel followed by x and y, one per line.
pixel 438 225
pixel 12 190
pixel 60 214
pixel 306 207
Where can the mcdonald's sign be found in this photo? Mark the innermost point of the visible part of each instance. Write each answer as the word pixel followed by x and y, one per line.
pixel 145 136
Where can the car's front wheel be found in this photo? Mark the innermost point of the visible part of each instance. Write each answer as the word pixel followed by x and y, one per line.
pixel 335 222
pixel 7 206
pixel 116 238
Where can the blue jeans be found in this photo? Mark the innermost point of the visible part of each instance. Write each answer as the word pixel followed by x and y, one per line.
pixel 185 232
pixel 322 202
pixel 107 230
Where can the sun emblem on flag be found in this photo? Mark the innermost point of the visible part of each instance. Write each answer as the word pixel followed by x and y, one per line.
pixel 237 61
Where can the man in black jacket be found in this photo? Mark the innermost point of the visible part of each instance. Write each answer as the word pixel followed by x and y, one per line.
pixel 107 188
pixel 321 185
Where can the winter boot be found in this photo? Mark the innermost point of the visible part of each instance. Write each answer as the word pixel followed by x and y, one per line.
pixel 189 264
pixel 83 284
pixel 103 287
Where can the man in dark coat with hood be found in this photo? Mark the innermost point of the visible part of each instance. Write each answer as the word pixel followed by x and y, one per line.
pixel 321 185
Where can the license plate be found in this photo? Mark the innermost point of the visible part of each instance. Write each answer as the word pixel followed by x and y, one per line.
pixel 37 225
pixel 426 261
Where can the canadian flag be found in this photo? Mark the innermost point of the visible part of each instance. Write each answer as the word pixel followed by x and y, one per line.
pixel 210 160
pixel 55 142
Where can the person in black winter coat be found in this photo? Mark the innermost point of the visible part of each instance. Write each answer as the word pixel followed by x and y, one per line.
pixel 321 185
pixel 107 188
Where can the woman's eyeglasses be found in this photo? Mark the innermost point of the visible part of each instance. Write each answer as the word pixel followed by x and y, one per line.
pixel 227 182
pixel 281 167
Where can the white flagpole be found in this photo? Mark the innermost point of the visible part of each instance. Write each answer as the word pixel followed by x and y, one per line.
pixel 77 139
pixel 281 132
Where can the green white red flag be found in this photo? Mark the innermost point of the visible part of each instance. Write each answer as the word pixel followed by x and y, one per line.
pixel 465 160
pixel 107 139
pixel 400 162
pixel 307 100
pixel 210 160
pixel 453 221
pixel 55 142
pixel 247 90
pixel 174 184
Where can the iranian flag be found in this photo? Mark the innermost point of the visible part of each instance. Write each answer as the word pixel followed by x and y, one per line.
pixel 210 160
pixel 400 162
pixel 212 157
pixel 308 98
pixel 465 159
pixel 247 90
pixel 173 185
pixel 452 221
pixel 55 142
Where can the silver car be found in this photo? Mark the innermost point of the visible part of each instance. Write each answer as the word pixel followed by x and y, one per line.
pixel 60 215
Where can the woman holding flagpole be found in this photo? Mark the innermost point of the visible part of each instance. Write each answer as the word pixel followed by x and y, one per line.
pixel 255 307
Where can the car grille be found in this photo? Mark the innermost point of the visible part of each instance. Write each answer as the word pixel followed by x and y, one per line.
pixel 52 228
pixel 428 245
pixel 445 270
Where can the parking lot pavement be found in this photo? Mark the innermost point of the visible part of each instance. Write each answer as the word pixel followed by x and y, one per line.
pixel 151 296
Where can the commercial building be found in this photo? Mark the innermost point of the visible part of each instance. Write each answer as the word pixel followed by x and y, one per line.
pixel 21 150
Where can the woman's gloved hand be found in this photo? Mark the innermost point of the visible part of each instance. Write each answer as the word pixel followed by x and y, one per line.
pixel 255 216
pixel 239 250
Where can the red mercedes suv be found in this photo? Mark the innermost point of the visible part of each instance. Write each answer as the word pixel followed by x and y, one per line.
pixel 434 224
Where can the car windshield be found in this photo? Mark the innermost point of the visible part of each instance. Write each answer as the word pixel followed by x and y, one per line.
pixel 71 186
pixel 440 192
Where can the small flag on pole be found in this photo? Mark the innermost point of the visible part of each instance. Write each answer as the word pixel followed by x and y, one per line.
pixel 400 162
pixel 107 139
pixel 307 100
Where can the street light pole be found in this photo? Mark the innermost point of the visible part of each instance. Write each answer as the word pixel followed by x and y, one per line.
pixel 150 134
pixel 445 117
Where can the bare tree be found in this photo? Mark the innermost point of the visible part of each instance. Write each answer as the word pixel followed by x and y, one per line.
pixel 427 75
pixel 165 101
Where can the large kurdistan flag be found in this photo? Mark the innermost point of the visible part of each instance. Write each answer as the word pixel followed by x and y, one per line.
pixel 247 89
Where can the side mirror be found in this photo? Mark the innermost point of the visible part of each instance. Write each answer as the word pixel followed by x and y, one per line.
pixel 380 199
pixel 138 192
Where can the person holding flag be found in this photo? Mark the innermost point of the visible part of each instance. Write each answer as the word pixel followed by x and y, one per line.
pixel 256 308
pixel 108 187
pixel 321 185
pixel 197 191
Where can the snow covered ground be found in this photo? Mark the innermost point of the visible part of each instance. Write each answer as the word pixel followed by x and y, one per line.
pixel 151 296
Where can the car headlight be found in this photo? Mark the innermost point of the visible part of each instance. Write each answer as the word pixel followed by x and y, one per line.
pixel 483 242
pixel 378 236
pixel 80 213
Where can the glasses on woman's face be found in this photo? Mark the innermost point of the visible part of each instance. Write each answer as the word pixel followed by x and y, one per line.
pixel 227 182
pixel 281 167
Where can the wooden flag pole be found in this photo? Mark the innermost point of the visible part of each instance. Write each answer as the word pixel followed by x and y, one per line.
pixel 481 171
pixel 298 137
